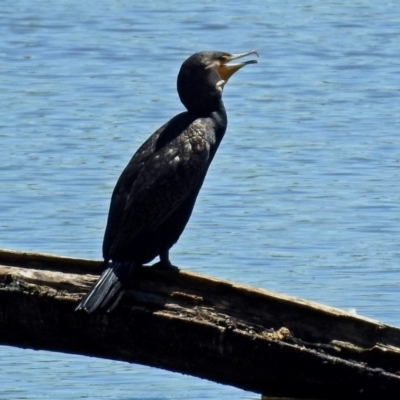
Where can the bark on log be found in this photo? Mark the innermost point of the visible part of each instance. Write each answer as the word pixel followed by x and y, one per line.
pixel 184 322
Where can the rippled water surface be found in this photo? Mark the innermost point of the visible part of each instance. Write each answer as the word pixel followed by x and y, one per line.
pixel 303 196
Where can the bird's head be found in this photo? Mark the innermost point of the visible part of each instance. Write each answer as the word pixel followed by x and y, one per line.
pixel 202 77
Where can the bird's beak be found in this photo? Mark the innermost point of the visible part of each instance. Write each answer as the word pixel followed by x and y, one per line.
pixel 227 70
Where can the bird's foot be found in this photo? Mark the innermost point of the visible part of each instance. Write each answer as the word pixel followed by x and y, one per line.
pixel 162 264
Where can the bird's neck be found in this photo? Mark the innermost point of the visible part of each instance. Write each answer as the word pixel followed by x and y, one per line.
pixel 220 120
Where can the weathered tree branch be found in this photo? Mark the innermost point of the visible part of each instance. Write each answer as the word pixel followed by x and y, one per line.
pixel 233 334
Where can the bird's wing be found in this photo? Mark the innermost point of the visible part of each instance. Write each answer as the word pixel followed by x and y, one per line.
pixel 123 188
pixel 154 185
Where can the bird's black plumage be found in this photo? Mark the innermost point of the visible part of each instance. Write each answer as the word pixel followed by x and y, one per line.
pixel 155 194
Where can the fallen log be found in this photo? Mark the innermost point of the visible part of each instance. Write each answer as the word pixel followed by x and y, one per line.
pixel 233 334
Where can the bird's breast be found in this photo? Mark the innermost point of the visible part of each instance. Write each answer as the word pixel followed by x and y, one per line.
pixel 201 136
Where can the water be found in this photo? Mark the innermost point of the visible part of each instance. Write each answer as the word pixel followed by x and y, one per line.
pixel 302 198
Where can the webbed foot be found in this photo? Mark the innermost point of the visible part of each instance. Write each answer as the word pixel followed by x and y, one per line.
pixel 164 265
pixel 164 262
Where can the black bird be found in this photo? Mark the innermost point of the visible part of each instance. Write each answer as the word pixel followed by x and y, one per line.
pixel 155 194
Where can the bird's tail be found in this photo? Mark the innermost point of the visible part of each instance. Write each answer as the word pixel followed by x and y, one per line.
pixel 108 290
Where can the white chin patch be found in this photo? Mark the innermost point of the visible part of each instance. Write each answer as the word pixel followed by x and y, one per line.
pixel 220 85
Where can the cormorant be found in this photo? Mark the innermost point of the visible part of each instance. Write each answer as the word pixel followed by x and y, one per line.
pixel 155 194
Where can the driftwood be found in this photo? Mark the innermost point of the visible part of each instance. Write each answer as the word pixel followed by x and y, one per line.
pixel 233 334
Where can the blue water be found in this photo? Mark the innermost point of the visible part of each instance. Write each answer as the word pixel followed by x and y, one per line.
pixel 302 198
